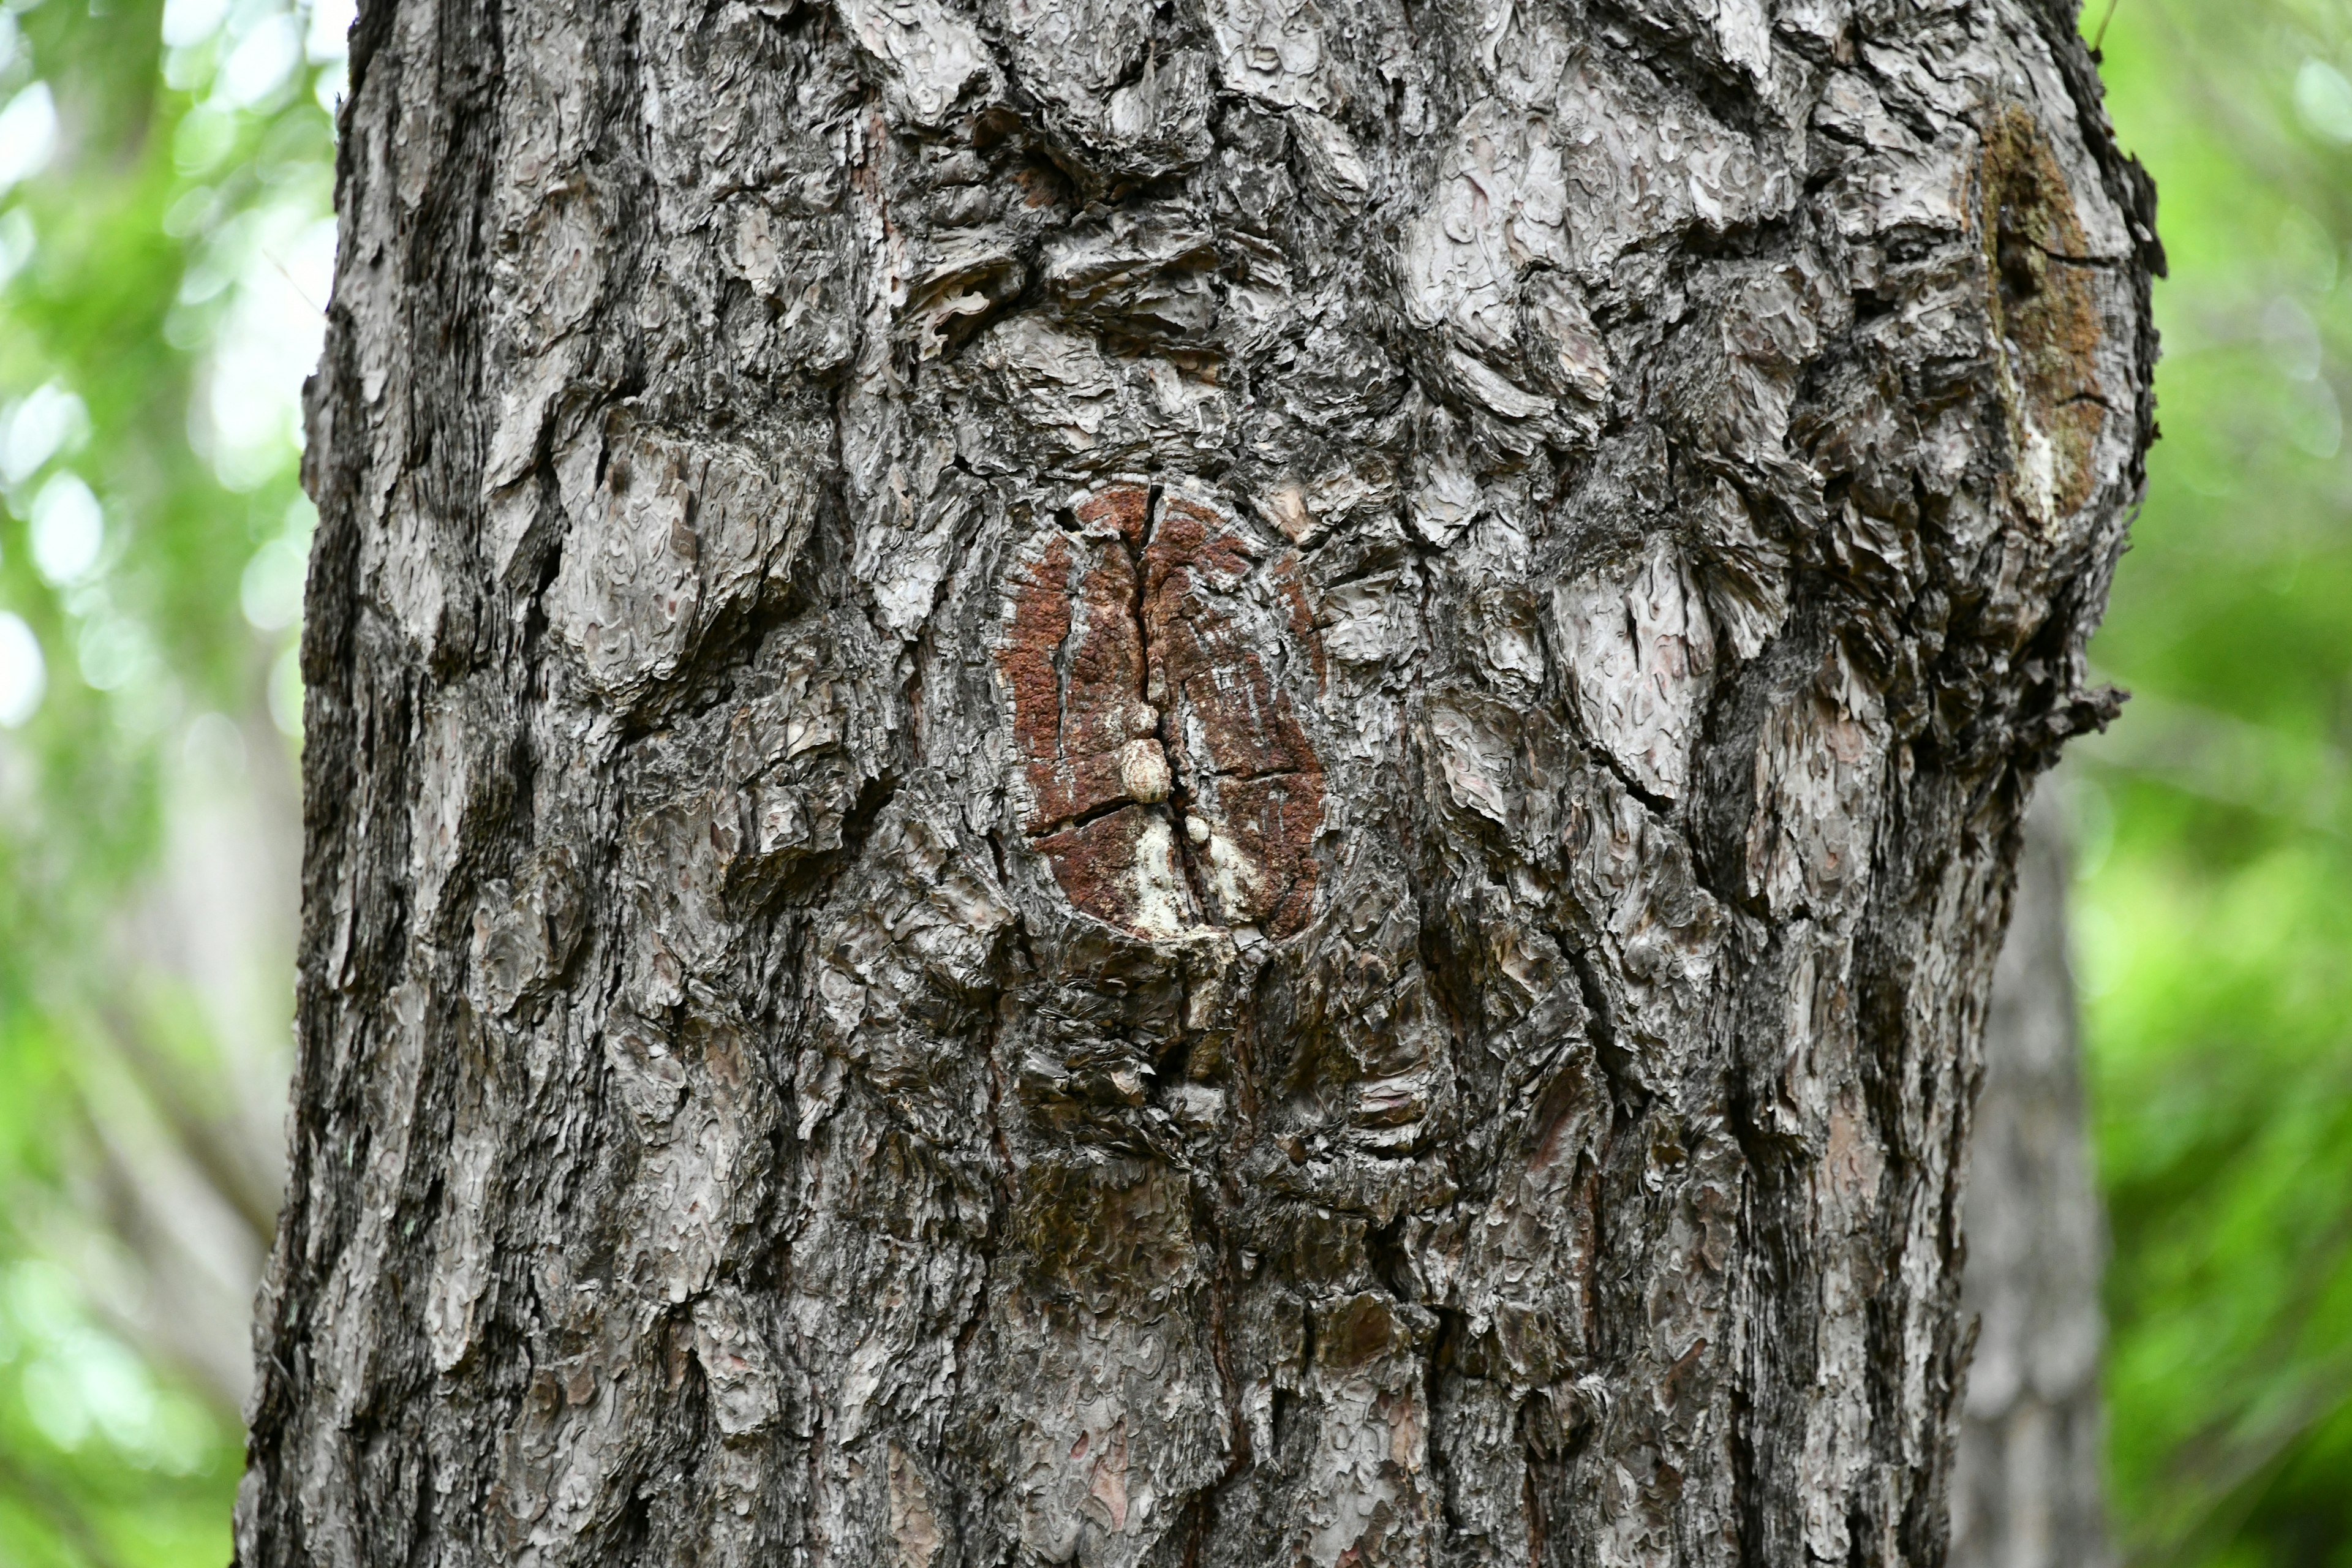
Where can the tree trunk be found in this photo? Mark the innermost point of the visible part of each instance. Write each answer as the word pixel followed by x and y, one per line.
pixel 2026 1489
pixel 1198 784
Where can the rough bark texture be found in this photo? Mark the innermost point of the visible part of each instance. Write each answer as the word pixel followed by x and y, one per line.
pixel 2026 1491
pixel 1215 783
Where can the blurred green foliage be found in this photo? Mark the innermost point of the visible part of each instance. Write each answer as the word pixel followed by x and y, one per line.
pixel 164 183
pixel 2214 920
pixel 165 176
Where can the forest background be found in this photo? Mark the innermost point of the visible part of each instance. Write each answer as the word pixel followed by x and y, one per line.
pixel 165 244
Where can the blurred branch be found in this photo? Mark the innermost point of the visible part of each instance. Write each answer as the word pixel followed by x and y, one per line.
pixel 2255 142
pixel 63 1514
pixel 2226 760
pixel 2225 1490
pixel 188 1306
pixel 2099 38
pixel 210 1142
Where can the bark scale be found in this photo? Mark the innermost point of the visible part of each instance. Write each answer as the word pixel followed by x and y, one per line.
pixel 1214 783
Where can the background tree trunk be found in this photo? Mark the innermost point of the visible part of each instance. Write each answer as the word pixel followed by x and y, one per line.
pixel 1214 783
pixel 2027 1491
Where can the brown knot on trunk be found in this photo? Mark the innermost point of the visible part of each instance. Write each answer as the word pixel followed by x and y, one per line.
pixel 2045 315
pixel 1169 782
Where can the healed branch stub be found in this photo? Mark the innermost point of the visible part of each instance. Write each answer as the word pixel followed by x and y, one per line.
pixel 1171 782
pixel 1218 784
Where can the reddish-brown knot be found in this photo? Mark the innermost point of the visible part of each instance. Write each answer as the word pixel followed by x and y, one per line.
pixel 1170 781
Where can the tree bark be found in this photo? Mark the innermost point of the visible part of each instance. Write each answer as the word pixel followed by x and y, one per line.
pixel 1213 784
pixel 2026 1490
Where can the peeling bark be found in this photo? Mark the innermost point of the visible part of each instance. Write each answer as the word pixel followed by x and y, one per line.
pixel 1213 785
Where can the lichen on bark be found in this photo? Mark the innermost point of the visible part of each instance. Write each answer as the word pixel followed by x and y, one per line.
pixel 1215 784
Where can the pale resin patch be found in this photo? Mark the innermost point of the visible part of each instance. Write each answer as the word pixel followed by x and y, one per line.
pixel 1235 879
pixel 1160 899
pixel 1143 770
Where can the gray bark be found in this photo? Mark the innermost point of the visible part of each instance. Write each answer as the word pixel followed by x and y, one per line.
pixel 2026 1490
pixel 1219 782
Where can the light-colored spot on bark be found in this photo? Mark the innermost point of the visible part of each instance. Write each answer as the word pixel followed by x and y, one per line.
pixel 523 935
pixel 1148 270
pixel 914 1525
pixel 1073 52
pixel 1838 1415
pixel 1475 760
pixel 1273 51
pixel 1332 156
pixel 1073 47
pixel 1357 1487
pixel 1488 388
pixel 958 272
pixel 929 56
pixel 1143 1401
pixel 1108 1487
pixel 677 860
pixel 1559 331
pixel 907 543
pixel 755 249
pixel 1284 504
pixel 1500 207
pixel 1162 903
pixel 1746 36
pixel 1235 880
pixel 1746 576
pixel 445 803
pixel 1368 621
pixel 736 1365
pixel 678 535
pixel 1058 380
pixel 522 414
pixel 1818 768
pixel 2037 475
pixel 409 574
pixel 648 1075
pixel 1893 180
pixel 1641 658
pixel 1169 102
pixel 461 1261
pixel 1143 771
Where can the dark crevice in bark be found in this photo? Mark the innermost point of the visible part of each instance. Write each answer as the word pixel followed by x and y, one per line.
pixel 1630 1094
pixel 1659 806
pixel 806 880
pixel 1390 1266
pixel 1229 1384
pixel 1749 1494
